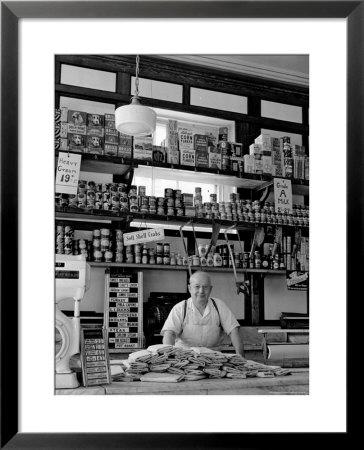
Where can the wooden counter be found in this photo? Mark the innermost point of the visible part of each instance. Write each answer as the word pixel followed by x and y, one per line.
pixel 295 384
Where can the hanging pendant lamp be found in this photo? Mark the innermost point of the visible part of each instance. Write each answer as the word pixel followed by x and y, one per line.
pixel 135 119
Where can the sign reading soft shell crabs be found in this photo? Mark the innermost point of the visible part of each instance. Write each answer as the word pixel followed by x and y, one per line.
pixel 143 236
pixel 283 196
pixel 68 173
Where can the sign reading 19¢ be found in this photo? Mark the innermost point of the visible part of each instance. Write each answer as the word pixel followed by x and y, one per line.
pixel 283 196
pixel 68 173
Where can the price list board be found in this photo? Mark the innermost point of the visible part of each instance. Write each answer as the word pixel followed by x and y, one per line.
pixel 123 313
pixel 95 357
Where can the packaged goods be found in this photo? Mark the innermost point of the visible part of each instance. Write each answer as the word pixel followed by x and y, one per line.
pixel 190 211
pixel 125 140
pixel 124 152
pixel 76 122
pixel 188 157
pixel 143 148
pixel 185 139
pixel 258 166
pixel 95 145
pixel 299 167
pixel 288 167
pixel 95 125
pixel 109 120
pixel 111 136
pixel 172 135
pixel 201 148
pixel 144 154
pixel 214 155
pixel 187 199
pixel 264 140
pixel 267 164
pixel 236 164
pixel 223 133
pixel 307 171
pixel 111 150
pixel 63 130
pixel 255 149
pixel 173 156
pixel 236 149
pixel 158 153
pixel 64 114
pixel 76 142
pixel 249 164
pixel 277 158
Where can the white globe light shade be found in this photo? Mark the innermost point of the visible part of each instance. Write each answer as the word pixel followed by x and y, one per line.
pixel 135 119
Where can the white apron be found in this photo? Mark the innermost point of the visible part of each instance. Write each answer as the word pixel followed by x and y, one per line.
pixel 195 335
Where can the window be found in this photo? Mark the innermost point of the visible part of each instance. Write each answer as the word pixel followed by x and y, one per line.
pixel 77 104
pixel 89 78
pixel 219 100
pixel 281 111
pixel 158 89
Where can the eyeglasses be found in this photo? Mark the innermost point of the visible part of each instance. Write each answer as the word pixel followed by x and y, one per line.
pixel 199 286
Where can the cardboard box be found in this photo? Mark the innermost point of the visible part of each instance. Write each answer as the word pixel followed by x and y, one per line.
pixel 64 114
pixel 95 120
pixel 109 120
pixel 236 149
pixel 95 143
pixel 125 140
pixel 78 118
pixel 76 142
pixel 249 164
pixel 237 164
pixel 190 211
pixel 255 149
pixel 259 166
pixel 172 156
pixel 187 199
pixel 223 134
pixel 185 139
pixel 111 136
pixel 288 167
pixel 201 149
pixel 144 154
pixel 188 157
pixel 111 149
pixel 264 140
pixel 63 144
pixel 159 154
pixel 298 150
pixel 214 154
pixel 64 130
pixel 299 167
pixel 267 164
pixel 124 152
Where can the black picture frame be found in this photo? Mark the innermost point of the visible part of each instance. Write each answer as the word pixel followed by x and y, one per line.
pixel 11 13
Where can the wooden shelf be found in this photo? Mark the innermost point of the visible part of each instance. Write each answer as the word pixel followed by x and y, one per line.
pixel 183 268
pixel 120 166
pixel 81 214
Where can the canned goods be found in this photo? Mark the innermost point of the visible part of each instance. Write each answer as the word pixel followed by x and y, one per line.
pixel 170 211
pixel 166 259
pixel 160 210
pixel 129 258
pixel 213 198
pixel 152 200
pixel 170 202
pixel 134 207
pixel 82 186
pixel 106 196
pixel 97 256
pixel 108 256
pixel 113 188
pixel 115 199
pixel 138 258
pixel 141 190
pixel 168 192
pixel 98 196
pixel 133 190
pixel 159 248
pixel 177 193
pixel 106 206
pixel 159 259
pixel 105 187
pixel 119 257
pixel 166 248
pixel 105 243
pixel 179 212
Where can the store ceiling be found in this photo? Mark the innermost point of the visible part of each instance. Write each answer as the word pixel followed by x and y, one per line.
pixel 287 68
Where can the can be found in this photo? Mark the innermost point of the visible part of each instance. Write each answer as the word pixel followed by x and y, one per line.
pixel 177 193
pixel 160 210
pixel 166 248
pixel 168 192
pixel 133 190
pixel 82 186
pixel 134 207
pixel 97 256
pixel 81 200
pixel 113 188
pixel 106 196
pixel 119 257
pixel 104 233
pixel 166 259
pixel 106 206
pixel 159 248
pixel 179 212
pixel 108 256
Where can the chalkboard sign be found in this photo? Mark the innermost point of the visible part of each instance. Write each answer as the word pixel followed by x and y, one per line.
pixel 123 314
pixel 94 357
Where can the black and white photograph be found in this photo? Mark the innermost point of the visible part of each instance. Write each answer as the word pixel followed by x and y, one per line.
pixel 182 224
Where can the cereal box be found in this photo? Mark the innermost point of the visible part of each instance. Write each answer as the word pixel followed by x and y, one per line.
pixel 267 164
pixel 255 149
pixel 214 154
pixel 264 140
pixel 185 139
pixel 249 164
pixel 188 157
pixel 76 142
pixel 172 156
pixel 201 149
pixel 111 150
pixel 141 153
pixel 236 149
pixel 237 163
pixel 125 140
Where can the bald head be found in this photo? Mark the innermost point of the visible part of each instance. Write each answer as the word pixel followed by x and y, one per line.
pixel 200 287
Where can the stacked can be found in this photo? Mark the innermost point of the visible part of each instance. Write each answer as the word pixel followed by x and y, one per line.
pixel 160 206
pixel 96 244
pixel 61 199
pixel 152 205
pixel 287 157
pixel 68 240
pixel 90 195
pixel 119 246
pixel 81 193
pixel 198 203
pixel 169 201
pixel 178 202
pixel 60 239
pixel 133 199
pixel 83 248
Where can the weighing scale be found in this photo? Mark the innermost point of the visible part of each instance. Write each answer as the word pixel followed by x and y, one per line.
pixel 72 281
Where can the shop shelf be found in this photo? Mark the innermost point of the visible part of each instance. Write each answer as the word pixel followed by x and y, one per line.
pixel 83 214
pixel 121 166
pixel 184 268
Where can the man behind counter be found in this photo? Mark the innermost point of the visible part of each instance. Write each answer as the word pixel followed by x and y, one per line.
pixel 201 321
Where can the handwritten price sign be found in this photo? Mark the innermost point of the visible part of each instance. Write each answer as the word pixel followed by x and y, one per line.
pixel 68 173
pixel 283 196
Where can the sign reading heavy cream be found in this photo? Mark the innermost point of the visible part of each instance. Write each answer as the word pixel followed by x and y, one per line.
pixel 142 236
pixel 283 196
pixel 68 173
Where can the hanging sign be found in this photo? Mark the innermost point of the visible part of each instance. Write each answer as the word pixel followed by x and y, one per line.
pixel 68 173
pixel 283 196
pixel 297 280
pixel 142 236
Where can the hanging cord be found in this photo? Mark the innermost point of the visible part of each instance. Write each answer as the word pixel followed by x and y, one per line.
pixel 137 77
